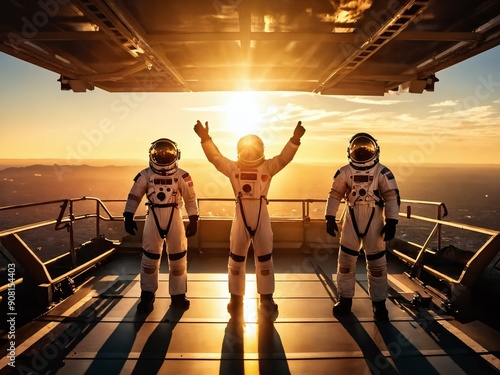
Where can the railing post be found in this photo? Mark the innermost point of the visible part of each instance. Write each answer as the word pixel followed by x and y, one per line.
pixel 97 219
pixel 438 232
pixel 71 237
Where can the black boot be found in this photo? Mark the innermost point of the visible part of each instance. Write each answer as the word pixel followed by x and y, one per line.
pixel 235 307
pixel 268 309
pixel 180 301
pixel 146 303
pixel 380 312
pixel 342 307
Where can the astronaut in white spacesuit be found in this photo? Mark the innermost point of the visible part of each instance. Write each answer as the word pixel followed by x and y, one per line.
pixel 372 199
pixel 250 177
pixel 166 187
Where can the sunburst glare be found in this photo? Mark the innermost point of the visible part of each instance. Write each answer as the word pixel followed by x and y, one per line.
pixel 243 113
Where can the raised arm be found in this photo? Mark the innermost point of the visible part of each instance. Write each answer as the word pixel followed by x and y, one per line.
pixel 277 163
pixel 223 164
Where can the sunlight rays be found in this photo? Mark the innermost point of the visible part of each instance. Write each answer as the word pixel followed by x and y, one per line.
pixel 243 113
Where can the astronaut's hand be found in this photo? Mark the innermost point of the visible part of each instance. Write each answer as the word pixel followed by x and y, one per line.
pixel 202 131
pixel 298 133
pixel 130 224
pixel 389 229
pixel 192 227
pixel 331 225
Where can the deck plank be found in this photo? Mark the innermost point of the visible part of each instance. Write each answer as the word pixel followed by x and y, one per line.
pixel 110 337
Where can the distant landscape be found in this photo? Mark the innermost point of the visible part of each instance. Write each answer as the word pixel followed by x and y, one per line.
pixel 471 193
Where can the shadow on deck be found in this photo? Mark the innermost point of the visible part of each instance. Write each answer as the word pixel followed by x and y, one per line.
pixel 97 330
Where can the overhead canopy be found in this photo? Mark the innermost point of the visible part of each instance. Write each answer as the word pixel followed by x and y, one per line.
pixel 332 47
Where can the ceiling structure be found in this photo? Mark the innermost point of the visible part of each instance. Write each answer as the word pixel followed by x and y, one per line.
pixel 330 47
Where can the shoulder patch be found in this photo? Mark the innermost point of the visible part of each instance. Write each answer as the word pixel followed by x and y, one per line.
pixel 387 173
pixel 137 177
pixel 186 177
pixel 336 173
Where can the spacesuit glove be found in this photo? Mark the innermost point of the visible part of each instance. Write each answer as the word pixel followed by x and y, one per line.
pixel 331 225
pixel 298 133
pixel 202 131
pixel 130 224
pixel 192 227
pixel 389 229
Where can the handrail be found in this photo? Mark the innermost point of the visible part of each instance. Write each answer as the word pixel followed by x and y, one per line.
pixel 63 221
pixel 66 220
pixel 468 277
pixel 471 271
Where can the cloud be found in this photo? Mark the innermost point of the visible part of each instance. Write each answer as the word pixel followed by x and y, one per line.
pixel 367 100
pixel 405 117
pixel 472 114
pixel 446 103
pixel 213 108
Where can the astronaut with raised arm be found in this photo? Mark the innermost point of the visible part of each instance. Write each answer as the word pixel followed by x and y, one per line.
pixel 370 191
pixel 166 187
pixel 250 177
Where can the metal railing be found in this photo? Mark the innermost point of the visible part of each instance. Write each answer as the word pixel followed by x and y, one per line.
pixel 67 217
pixel 486 251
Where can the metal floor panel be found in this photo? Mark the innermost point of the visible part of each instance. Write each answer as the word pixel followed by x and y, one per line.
pixel 97 330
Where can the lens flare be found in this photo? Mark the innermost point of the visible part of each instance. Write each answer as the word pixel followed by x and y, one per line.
pixel 243 113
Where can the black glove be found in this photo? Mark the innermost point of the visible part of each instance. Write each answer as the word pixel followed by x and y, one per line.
pixel 192 227
pixel 389 229
pixel 298 132
pixel 202 131
pixel 130 224
pixel 331 225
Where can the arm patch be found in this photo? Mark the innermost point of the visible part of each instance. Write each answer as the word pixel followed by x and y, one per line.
pixel 336 173
pixel 137 177
pixel 186 177
pixel 387 173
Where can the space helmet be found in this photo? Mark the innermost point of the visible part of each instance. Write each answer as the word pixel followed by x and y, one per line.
pixel 363 151
pixel 163 156
pixel 250 150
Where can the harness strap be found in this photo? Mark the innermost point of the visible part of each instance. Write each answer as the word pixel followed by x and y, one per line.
pixel 348 251
pixel 375 256
pixel 151 255
pixel 264 258
pixel 163 232
pixel 237 258
pixel 355 224
pixel 177 256
pixel 161 205
pixel 249 229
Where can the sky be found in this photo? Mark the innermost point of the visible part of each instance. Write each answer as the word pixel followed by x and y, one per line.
pixel 458 123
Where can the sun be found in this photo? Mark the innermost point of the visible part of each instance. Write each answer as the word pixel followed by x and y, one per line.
pixel 243 113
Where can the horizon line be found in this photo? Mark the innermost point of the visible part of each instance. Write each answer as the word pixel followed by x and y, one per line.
pixel 133 162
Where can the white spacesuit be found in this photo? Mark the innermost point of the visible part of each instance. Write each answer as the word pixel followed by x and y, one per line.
pixel 369 189
pixel 250 178
pixel 166 188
